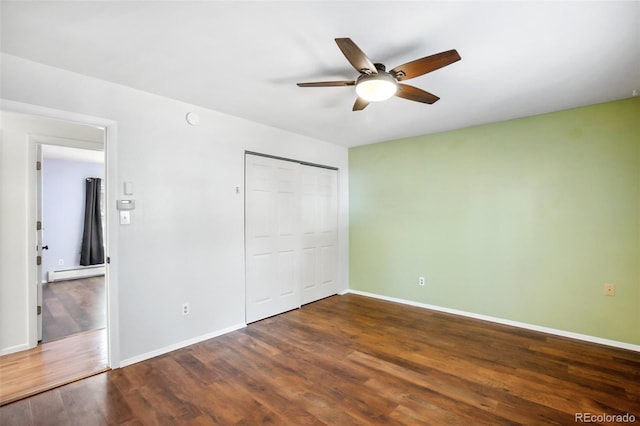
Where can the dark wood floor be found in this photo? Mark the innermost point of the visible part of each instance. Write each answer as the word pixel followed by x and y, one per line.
pixel 350 360
pixel 71 307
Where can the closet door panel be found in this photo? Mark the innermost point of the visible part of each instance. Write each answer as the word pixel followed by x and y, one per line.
pixel 320 236
pixel 272 244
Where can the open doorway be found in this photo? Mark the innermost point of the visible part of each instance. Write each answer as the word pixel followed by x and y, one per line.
pixel 73 287
pixel 27 366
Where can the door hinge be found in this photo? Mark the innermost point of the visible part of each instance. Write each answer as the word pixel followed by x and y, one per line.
pixel 38 226
pixel 39 310
pixel 108 260
pixel 38 260
pixel 38 165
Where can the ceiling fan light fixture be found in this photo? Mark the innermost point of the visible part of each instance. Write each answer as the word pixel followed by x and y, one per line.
pixel 376 87
pixel 376 84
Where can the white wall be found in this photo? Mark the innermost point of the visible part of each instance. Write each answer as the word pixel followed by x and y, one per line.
pixel 17 220
pixel 186 240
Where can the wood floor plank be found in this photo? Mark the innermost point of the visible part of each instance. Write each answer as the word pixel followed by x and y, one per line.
pixel 292 385
pixel 52 364
pixel 73 306
pixel 352 360
pixel 48 408
pixel 18 414
pixel 313 369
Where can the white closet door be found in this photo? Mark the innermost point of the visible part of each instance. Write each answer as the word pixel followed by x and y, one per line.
pixel 319 232
pixel 272 237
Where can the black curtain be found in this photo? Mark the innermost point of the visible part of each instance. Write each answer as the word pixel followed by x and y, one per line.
pixel 92 252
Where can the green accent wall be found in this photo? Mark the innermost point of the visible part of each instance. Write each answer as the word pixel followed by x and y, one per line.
pixel 523 220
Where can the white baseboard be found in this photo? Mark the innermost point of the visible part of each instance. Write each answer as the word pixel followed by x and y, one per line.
pixel 74 274
pixel 556 332
pixel 13 349
pixel 180 345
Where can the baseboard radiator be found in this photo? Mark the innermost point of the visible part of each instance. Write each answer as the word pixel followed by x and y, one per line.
pixel 75 274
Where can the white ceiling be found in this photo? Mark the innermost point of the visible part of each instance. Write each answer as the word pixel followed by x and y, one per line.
pixel 244 58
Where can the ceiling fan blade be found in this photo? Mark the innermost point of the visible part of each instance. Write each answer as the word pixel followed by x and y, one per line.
pixel 327 84
pixel 425 65
pixel 414 94
pixel 355 56
pixel 360 104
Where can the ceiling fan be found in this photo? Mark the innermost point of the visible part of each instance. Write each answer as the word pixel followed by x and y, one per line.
pixel 376 84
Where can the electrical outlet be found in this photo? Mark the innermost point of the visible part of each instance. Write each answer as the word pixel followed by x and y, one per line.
pixel 609 290
pixel 185 309
pixel 421 281
pixel 60 261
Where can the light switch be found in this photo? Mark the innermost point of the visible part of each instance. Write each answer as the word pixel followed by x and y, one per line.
pixel 128 188
pixel 125 217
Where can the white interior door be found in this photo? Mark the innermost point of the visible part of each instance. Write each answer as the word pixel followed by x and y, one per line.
pixel 272 244
pixel 319 232
pixel 39 227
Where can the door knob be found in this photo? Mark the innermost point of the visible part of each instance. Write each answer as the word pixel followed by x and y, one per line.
pixel 45 247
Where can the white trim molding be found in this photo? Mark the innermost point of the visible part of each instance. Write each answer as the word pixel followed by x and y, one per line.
pixel 547 330
pixel 14 349
pixel 179 345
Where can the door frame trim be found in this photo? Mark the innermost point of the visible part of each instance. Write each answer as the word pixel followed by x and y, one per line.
pixel 111 241
pixel 36 142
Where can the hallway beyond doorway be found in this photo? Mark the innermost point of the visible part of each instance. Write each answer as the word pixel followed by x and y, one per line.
pixel 71 307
